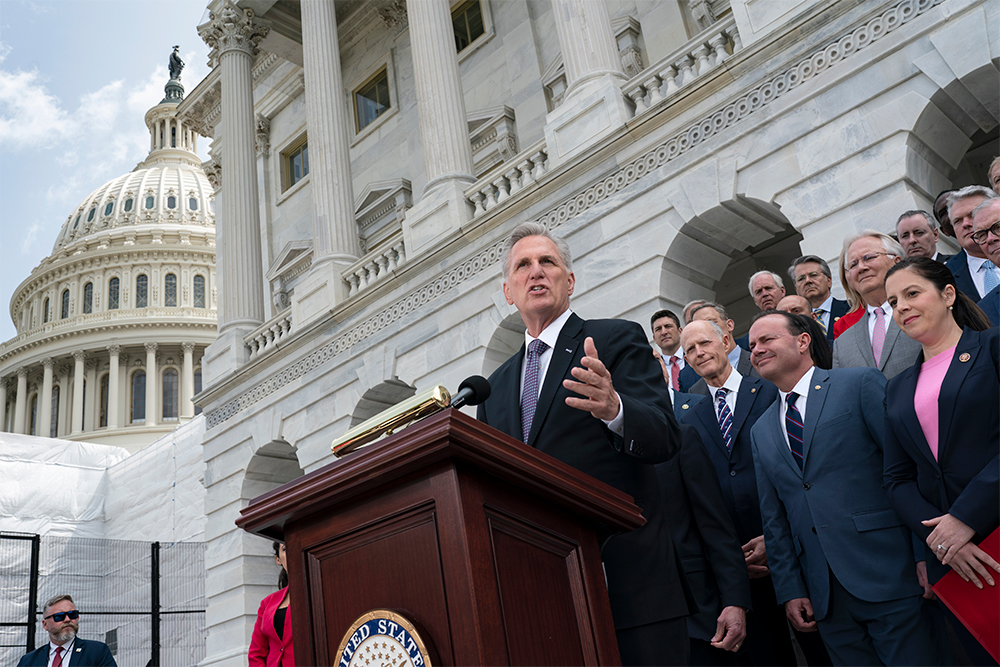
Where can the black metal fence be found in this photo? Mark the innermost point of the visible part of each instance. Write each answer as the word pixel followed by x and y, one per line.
pixel 146 600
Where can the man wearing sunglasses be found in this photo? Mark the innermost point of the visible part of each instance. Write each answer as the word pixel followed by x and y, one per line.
pixel 64 649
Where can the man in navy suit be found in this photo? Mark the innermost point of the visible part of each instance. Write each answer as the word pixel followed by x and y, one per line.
pixel 739 357
pixel 60 619
pixel 985 221
pixel 667 329
pixel 970 265
pixel 746 398
pixel 589 393
pixel 841 559
pixel 813 280
pixel 917 231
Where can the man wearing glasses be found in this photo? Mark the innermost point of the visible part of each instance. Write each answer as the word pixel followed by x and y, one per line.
pixel 61 620
pixel 874 340
pixel 986 223
pixel 813 279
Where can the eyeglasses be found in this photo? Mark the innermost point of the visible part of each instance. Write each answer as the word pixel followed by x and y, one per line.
pixel 867 259
pixel 60 616
pixel 980 236
pixel 812 275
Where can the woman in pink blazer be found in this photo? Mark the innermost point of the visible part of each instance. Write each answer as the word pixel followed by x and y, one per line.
pixel 271 643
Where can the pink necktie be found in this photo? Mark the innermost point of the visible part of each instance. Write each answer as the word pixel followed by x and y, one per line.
pixel 675 373
pixel 878 336
pixel 57 661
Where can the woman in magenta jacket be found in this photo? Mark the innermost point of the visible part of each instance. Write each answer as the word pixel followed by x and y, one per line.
pixel 271 643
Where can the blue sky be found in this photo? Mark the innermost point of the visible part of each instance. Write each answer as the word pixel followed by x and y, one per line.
pixel 76 78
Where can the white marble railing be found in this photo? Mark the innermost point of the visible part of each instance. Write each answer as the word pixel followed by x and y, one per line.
pixel 267 336
pixel 704 52
pixel 376 265
pixel 507 180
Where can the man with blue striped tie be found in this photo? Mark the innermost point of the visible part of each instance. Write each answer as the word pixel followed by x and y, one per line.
pixel 841 560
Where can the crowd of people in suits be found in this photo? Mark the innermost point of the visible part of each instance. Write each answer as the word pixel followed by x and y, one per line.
pixel 852 445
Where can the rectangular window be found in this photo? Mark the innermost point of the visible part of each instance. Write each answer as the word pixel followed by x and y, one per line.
pixel 141 292
pixel 467 21
pixel 295 163
pixel 371 99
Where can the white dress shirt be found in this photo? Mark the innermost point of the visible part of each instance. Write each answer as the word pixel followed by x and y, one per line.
pixel 887 309
pixel 826 307
pixel 67 652
pixel 802 389
pixel 550 336
pixel 732 383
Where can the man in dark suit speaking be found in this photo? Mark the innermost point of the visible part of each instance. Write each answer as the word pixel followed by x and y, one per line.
pixel 60 619
pixel 589 393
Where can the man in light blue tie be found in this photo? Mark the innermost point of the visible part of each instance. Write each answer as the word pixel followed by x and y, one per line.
pixel 986 224
pixel 969 266
pixel 841 560
pixel 813 280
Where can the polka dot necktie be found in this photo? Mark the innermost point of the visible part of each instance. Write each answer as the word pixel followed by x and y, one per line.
pixel 529 397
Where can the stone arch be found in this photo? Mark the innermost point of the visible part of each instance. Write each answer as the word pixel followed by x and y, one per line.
pixel 506 340
pixel 381 397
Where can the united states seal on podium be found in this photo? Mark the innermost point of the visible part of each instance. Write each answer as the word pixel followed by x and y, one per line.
pixel 382 638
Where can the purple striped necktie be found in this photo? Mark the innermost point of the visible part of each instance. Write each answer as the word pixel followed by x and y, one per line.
pixel 878 336
pixel 529 397
pixel 793 426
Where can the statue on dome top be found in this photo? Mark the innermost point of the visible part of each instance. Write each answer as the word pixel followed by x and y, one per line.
pixel 176 64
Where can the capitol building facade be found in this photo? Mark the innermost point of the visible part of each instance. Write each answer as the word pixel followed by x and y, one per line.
pixel 112 325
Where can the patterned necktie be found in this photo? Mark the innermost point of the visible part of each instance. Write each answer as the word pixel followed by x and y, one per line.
pixel 725 418
pixel 793 426
pixel 818 312
pixel 990 280
pixel 57 661
pixel 529 398
pixel 675 373
pixel 878 336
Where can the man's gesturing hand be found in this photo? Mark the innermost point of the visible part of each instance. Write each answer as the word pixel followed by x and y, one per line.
pixel 594 383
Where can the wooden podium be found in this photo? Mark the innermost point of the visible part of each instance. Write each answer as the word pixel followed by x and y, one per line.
pixel 489 547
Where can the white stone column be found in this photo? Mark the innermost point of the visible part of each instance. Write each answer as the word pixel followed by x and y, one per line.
pixel 21 404
pixel 45 412
pixel 114 351
pixel 77 423
pixel 444 129
pixel 335 234
pixel 151 384
pixel 233 37
pixel 3 405
pixel 187 382
pixel 593 105
pixel 90 396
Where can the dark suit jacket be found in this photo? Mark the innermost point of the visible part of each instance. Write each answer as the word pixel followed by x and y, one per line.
pixel 703 535
pixel 86 653
pixel 853 348
pixel 959 265
pixel 991 306
pixel 832 515
pixel 744 367
pixel 838 308
pixel 964 480
pixel 734 469
pixel 644 579
pixel 943 257
pixel 687 377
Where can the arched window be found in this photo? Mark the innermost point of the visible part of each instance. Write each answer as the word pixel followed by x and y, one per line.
pixel 64 311
pixel 141 291
pixel 150 202
pixel 102 419
pixel 169 394
pixel 88 298
pixel 54 417
pixel 199 291
pixel 90 216
pixel 110 207
pixel 34 415
pixel 193 204
pixel 45 311
pixel 138 397
pixel 170 290
pixel 113 294
pixel 171 202
pixel 128 204
pixel 77 223
pixel 197 388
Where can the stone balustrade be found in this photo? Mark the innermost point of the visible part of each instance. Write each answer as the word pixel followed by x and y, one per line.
pixel 376 265
pixel 701 54
pixel 509 179
pixel 267 336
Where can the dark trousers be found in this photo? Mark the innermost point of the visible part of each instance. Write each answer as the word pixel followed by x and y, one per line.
pixel 661 643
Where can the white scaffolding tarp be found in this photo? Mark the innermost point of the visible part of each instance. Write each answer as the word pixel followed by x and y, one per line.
pixel 54 487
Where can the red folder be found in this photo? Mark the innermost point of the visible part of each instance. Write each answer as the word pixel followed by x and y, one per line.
pixel 979 610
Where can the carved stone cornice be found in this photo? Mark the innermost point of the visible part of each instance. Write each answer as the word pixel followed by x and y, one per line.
pixel 150 347
pixel 79 355
pixel 114 350
pixel 233 29
pixel 187 347
pixel 48 362
pixel 213 170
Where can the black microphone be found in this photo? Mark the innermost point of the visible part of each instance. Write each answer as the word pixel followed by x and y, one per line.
pixel 474 390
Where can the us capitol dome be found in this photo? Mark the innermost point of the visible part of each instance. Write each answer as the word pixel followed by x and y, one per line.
pixel 111 326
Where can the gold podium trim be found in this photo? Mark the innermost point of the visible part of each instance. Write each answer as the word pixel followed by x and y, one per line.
pixel 391 420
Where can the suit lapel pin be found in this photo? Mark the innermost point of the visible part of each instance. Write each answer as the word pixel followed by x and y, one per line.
pixel 78 649
pixel 569 350
pixel 817 387
pixel 965 356
pixel 754 390
pixel 684 407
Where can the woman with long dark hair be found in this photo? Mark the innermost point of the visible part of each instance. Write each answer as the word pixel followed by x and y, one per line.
pixel 271 643
pixel 942 470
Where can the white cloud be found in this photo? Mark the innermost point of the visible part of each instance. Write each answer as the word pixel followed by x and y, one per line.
pixel 29 238
pixel 98 111
pixel 4 50
pixel 68 159
pixel 29 115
